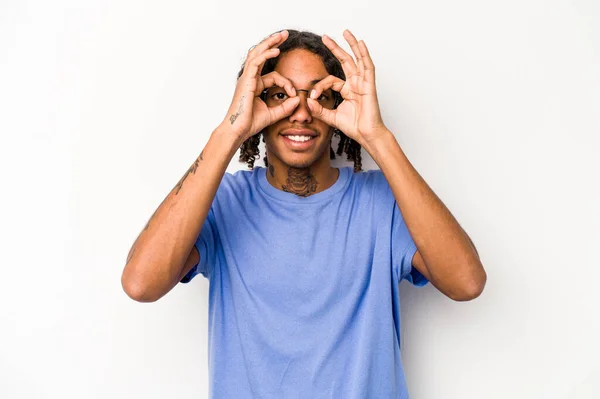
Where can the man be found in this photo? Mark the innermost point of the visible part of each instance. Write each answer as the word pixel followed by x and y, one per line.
pixel 304 260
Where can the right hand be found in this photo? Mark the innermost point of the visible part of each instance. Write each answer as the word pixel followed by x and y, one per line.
pixel 248 113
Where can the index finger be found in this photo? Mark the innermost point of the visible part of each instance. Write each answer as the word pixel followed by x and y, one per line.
pixel 270 42
pixel 345 59
pixel 351 39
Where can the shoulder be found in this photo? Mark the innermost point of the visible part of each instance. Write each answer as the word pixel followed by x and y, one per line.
pixel 238 182
pixel 373 180
pixel 370 189
pixel 241 177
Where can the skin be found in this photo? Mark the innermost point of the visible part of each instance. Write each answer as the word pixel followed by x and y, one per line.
pixel 176 189
pixel 446 255
pixel 302 172
pixel 165 247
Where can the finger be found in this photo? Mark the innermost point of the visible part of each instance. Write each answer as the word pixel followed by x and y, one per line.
pixel 330 82
pixel 283 35
pixel 322 113
pixel 272 41
pixel 345 59
pixel 275 79
pixel 266 46
pixel 283 110
pixel 354 46
pixel 368 62
pixel 254 66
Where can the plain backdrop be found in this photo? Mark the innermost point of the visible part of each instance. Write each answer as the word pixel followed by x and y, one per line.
pixel 105 104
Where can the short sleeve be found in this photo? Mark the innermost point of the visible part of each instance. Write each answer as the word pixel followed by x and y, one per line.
pixel 403 251
pixel 206 246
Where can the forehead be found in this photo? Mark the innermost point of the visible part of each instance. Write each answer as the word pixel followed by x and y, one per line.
pixel 302 67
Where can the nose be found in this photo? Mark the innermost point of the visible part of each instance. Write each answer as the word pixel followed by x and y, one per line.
pixel 302 113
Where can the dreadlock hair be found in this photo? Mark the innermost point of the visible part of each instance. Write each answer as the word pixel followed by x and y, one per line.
pixel 311 42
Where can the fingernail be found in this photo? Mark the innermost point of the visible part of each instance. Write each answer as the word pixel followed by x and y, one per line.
pixel 312 94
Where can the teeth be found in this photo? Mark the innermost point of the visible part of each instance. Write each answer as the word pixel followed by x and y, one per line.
pixel 299 138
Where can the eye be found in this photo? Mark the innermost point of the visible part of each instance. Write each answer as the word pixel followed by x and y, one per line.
pixel 279 96
pixel 323 97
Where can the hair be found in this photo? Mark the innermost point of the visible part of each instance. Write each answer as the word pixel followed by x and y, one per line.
pixel 309 41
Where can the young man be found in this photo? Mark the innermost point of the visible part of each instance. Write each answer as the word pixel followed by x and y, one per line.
pixel 304 259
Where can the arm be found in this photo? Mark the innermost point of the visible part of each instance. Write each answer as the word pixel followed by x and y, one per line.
pixel 164 251
pixel 446 255
pixel 158 256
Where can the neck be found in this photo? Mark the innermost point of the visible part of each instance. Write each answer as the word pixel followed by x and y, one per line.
pixel 301 181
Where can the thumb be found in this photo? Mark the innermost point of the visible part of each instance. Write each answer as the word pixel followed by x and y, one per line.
pixel 319 112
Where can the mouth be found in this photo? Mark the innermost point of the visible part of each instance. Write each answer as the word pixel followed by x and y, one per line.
pixel 299 138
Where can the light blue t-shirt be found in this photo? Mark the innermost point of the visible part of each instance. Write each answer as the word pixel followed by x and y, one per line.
pixel 303 291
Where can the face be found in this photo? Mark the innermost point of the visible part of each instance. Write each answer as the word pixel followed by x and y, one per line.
pixel 286 140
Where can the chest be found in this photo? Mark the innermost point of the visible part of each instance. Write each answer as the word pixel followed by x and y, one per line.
pixel 305 256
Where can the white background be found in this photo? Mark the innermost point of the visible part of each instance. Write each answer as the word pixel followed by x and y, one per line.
pixel 105 104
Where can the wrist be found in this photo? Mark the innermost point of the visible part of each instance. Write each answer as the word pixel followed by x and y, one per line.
pixel 226 139
pixel 375 137
pixel 228 135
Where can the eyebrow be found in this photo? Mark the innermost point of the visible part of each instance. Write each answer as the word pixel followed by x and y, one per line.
pixel 312 83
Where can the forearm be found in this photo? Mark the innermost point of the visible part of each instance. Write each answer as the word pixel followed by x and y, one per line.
pixel 157 257
pixel 450 257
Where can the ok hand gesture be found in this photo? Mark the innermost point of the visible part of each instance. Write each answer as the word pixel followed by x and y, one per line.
pixel 358 116
pixel 248 114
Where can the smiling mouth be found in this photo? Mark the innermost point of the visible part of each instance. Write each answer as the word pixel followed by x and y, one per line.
pixel 299 138
pixel 298 141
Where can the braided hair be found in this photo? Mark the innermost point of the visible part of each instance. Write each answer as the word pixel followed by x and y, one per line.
pixel 309 41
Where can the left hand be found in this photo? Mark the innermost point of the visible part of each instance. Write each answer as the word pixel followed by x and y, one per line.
pixel 358 116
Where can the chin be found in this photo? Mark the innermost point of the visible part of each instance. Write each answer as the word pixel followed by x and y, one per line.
pixel 300 160
pixel 297 162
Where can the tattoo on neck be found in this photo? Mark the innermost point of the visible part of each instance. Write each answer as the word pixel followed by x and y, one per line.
pixel 300 182
pixel 272 170
pixel 240 110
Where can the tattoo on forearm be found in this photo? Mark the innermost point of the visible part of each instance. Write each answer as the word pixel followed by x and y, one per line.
pixel 240 110
pixel 191 170
pixel 300 182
